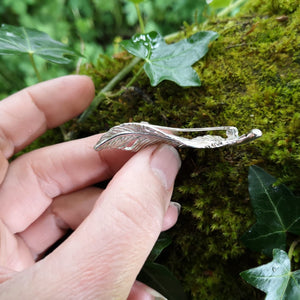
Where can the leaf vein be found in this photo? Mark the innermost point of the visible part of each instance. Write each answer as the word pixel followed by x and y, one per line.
pixel 266 235
pixel 270 200
pixel 27 40
pixel 13 43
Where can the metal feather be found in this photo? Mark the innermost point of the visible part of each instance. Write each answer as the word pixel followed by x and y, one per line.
pixel 135 136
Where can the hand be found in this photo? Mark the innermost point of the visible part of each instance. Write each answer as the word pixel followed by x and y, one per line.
pixel 45 192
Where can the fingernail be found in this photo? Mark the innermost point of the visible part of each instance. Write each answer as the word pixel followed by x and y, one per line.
pixel 177 205
pixel 155 295
pixel 165 163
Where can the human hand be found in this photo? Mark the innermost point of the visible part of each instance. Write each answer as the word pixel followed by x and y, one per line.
pixel 45 192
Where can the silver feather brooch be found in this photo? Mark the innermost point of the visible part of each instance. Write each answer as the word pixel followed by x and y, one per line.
pixel 135 136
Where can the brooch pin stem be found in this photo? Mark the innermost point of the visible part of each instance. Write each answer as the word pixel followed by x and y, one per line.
pixel 135 136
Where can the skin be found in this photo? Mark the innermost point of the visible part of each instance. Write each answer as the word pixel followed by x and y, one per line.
pixel 46 192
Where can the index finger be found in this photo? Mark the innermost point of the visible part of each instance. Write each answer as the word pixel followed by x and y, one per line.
pixel 27 114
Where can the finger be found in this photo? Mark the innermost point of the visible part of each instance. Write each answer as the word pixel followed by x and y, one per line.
pixel 66 212
pixel 102 258
pixel 14 254
pixel 171 216
pixel 3 166
pixel 140 291
pixel 73 208
pixel 6 274
pixel 35 178
pixel 27 114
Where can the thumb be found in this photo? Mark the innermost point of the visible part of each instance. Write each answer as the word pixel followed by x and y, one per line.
pixel 103 256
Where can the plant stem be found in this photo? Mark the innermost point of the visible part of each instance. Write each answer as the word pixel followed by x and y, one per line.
pixel 133 79
pixel 111 84
pixel 38 76
pixel 292 248
pixel 142 27
pixel 230 8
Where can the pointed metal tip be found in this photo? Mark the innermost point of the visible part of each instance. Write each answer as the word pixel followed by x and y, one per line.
pixel 257 132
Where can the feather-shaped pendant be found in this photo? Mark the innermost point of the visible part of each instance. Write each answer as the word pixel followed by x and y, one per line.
pixel 135 136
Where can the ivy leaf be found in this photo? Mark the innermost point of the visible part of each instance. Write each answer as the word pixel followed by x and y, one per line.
pixel 159 277
pixel 275 278
pixel 162 280
pixel 277 212
pixel 170 62
pixel 18 40
pixel 162 242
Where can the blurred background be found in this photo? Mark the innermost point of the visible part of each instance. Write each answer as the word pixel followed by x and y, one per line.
pixel 90 27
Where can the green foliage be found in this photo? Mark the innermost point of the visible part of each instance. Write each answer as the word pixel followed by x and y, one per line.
pixel 166 16
pixel 162 280
pixel 136 1
pixel 88 26
pixel 159 277
pixel 276 278
pixel 222 8
pixel 284 6
pixel 273 6
pixel 162 242
pixel 20 40
pixel 170 62
pixel 218 3
pixel 277 212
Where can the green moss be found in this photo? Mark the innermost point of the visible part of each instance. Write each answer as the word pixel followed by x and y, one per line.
pixel 250 79
pixel 271 6
pixel 284 6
